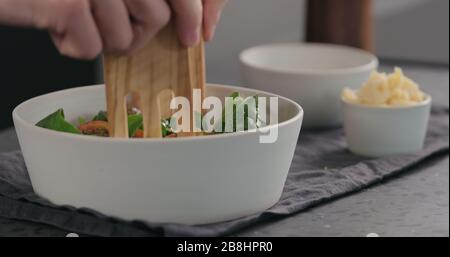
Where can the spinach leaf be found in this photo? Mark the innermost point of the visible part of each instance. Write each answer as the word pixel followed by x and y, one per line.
pixel 166 128
pixel 56 121
pixel 249 123
pixel 81 121
pixel 134 123
pixel 101 116
pixel 235 95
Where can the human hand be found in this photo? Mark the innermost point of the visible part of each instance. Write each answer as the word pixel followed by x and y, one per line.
pixel 85 28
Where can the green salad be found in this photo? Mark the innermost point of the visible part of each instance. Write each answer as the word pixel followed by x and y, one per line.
pixel 98 125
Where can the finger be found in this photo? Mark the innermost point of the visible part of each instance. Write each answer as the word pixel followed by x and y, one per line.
pixel 114 24
pixel 188 18
pixel 73 29
pixel 148 18
pixel 25 13
pixel 212 10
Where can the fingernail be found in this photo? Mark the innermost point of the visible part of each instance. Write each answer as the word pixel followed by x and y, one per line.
pixel 191 38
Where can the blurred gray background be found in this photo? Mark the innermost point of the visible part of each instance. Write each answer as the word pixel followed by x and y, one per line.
pixel 412 30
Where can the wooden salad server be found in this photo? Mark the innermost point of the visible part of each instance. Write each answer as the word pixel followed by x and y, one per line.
pixel 164 68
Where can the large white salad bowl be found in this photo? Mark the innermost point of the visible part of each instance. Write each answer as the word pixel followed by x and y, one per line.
pixel 194 180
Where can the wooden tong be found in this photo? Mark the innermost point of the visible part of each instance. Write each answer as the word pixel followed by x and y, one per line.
pixel 161 70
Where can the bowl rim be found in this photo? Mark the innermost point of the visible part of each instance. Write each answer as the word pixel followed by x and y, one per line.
pixel 16 117
pixel 426 102
pixel 371 65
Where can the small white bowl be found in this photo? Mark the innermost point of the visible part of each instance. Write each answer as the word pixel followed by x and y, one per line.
pixel 194 180
pixel 385 131
pixel 313 75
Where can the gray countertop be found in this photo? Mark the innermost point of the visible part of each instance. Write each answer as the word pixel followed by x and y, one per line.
pixel 414 204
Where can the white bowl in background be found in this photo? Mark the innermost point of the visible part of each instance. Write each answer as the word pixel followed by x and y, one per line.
pixel 385 131
pixel 313 75
pixel 193 180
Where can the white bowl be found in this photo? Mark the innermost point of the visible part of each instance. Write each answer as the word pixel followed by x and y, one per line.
pixel 385 131
pixel 181 180
pixel 313 75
